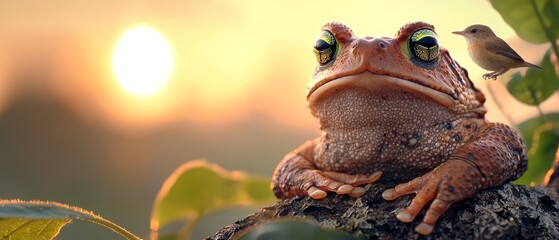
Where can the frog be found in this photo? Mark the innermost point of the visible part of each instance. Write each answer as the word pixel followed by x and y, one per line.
pixel 398 110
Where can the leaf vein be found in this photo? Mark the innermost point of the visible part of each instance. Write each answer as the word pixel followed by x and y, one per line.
pixel 16 229
pixel 44 227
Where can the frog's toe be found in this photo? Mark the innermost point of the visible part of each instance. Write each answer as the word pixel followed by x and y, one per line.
pixel 435 185
pixel 354 179
pixel 424 229
pixel 316 193
pixel 344 189
pixel 340 183
pixel 437 208
pixel 357 192
pixel 319 184
pixel 411 187
pixel 426 191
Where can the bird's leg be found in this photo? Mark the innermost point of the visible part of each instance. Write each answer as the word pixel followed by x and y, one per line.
pixel 495 74
pixel 489 75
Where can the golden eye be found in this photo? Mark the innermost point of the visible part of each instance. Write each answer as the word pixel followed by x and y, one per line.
pixel 424 48
pixel 325 47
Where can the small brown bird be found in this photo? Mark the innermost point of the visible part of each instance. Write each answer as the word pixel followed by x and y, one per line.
pixel 490 52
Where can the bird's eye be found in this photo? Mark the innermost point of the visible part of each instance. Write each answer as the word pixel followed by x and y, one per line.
pixel 325 47
pixel 424 48
pixel 473 30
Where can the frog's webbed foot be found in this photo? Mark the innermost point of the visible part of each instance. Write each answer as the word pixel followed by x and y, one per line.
pixel 449 182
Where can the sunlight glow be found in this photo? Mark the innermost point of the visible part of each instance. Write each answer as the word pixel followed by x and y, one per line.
pixel 142 61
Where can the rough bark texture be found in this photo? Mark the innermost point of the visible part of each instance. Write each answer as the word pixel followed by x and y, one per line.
pixel 505 212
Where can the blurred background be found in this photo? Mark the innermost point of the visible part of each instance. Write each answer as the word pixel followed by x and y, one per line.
pixel 101 100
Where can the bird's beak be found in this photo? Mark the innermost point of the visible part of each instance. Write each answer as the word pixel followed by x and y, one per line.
pixel 459 32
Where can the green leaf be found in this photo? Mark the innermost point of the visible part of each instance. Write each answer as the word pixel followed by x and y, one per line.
pixel 537 85
pixel 293 230
pixel 551 11
pixel 20 228
pixel 541 139
pixel 43 220
pixel 197 188
pixel 521 16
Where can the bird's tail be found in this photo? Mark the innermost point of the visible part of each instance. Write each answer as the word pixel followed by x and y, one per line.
pixel 527 64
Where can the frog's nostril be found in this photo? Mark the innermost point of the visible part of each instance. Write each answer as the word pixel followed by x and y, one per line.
pixel 381 43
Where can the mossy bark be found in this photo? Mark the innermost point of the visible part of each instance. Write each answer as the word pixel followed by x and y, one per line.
pixel 505 212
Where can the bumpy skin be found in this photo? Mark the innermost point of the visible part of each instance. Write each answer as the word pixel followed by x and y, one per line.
pixel 382 114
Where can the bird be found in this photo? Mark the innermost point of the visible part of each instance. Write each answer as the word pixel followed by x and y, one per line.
pixel 491 52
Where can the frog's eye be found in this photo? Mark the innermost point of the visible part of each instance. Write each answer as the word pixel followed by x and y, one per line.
pixel 424 48
pixel 325 47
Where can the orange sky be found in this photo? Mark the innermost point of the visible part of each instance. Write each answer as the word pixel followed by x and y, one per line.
pixel 231 58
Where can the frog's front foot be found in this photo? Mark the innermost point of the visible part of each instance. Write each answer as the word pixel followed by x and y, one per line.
pixel 318 183
pixel 297 175
pixel 451 181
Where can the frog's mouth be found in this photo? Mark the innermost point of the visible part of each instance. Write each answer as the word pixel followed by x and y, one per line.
pixel 377 83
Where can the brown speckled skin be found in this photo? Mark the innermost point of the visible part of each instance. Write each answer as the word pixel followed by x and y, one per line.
pixel 379 111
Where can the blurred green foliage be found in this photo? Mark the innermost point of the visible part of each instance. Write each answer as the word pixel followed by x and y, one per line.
pixel 531 19
pixel 537 85
pixel 541 139
pixel 536 22
pixel 192 191
pixel 198 188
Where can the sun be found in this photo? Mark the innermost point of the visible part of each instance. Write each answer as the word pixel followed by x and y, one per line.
pixel 142 61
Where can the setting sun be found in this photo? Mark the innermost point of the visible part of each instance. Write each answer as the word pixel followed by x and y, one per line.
pixel 142 61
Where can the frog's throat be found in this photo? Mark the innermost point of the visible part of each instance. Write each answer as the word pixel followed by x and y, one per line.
pixel 376 83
